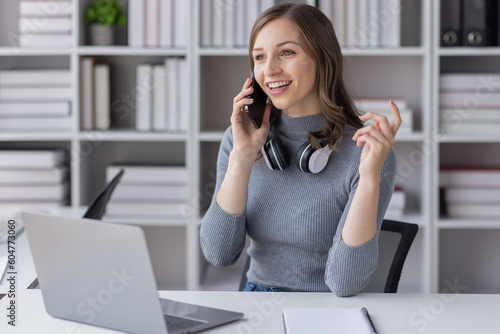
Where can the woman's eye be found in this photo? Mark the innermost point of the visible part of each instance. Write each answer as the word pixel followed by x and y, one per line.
pixel 287 53
pixel 258 57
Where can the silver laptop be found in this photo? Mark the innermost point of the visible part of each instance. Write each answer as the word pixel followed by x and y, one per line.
pixel 101 274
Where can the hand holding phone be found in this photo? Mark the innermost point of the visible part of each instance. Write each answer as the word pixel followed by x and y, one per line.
pixel 256 110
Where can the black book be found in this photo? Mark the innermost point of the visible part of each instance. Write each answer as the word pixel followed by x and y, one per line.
pixel 480 22
pixel 451 27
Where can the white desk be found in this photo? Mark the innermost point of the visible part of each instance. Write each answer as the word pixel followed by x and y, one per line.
pixel 391 313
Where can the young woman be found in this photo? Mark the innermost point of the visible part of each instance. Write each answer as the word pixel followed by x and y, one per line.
pixel 308 231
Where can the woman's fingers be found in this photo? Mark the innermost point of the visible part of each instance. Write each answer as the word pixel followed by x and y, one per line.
pixel 396 118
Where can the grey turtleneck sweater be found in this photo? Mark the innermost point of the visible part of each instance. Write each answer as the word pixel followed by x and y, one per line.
pixel 295 219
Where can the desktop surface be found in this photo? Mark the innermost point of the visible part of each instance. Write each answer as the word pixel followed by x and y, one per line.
pixel 390 313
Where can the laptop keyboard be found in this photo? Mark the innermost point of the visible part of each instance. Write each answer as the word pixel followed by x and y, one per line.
pixel 177 323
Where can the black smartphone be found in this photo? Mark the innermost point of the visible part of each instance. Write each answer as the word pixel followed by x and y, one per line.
pixel 256 110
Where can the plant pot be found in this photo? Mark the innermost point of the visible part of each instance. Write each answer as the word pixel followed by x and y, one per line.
pixel 101 34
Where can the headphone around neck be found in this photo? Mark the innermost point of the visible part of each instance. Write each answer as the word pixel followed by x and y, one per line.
pixel 309 159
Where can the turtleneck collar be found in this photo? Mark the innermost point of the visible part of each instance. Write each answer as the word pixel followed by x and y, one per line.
pixel 299 125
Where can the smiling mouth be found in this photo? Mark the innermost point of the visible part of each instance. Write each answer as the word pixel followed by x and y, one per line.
pixel 276 86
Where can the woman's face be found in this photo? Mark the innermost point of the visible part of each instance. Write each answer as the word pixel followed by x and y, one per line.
pixel 285 68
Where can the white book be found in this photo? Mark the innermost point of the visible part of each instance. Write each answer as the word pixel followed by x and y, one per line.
pixel 36 94
pixel 166 23
pixel 29 25
pixel 363 24
pixel 144 97
pixel 39 206
pixel 34 193
pixel 390 28
pixel 463 127
pixel 149 210
pixel 29 159
pixel 252 10
pixel 229 25
pixel 102 102
pixel 472 116
pixel 173 92
pixel 87 93
pixel 379 104
pixel 45 40
pixel 151 193
pixel 241 36
pixel 339 17
pixel 43 124
pixel 206 23
pixel 322 320
pixel 471 195
pixel 266 4
pixel 159 121
pixel 218 15
pixel 18 109
pixel 469 100
pixel 50 8
pixel 37 77
pixel 373 23
pixel 180 23
pixel 326 7
pixel 184 96
pixel 152 23
pixel 473 211
pixel 472 178
pixel 352 23
pixel 33 177
pixel 484 82
pixel 136 23
pixel 154 175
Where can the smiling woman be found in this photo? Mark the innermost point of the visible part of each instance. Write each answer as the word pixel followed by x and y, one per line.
pixel 313 227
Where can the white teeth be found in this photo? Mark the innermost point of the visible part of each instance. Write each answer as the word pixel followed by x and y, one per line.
pixel 274 85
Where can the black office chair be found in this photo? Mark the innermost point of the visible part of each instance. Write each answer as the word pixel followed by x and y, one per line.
pixel 394 242
pixel 97 207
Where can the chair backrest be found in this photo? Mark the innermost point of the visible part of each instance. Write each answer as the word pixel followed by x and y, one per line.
pixel 96 208
pixel 394 243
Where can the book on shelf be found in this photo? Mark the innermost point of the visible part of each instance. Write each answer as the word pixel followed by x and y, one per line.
pixel 45 40
pixel 153 175
pixel 206 22
pixel 31 205
pixel 390 28
pixel 87 113
pixel 454 195
pixel 36 77
pixel 54 192
pixel 49 25
pixel 379 103
pixel 35 123
pixel 469 177
pixel 146 210
pixel 32 159
pixel 33 177
pixel 469 100
pixel 464 127
pixel 144 97
pixel 339 16
pixel 35 93
pixel 42 9
pixel 147 192
pixel 252 10
pixel 18 109
pixel 159 114
pixel 102 96
pixel 480 82
pixel 473 211
pixel 470 115
pixel 155 23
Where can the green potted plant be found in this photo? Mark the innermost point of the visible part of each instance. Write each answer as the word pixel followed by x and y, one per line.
pixel 103 16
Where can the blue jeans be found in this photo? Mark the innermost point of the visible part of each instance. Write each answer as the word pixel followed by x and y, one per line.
pixel 259 288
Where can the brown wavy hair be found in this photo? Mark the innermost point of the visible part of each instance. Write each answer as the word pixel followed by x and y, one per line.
pixel 337 105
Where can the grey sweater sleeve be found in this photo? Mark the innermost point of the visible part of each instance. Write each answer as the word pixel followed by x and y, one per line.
pixel 349 269
pixel 222 235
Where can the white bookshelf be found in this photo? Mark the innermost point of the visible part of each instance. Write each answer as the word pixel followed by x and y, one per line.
pixel 216 76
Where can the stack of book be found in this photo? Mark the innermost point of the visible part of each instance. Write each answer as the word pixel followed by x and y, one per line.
pixel 95 100
pixel 381 106
pixel 148 192
pixel 470 192
pixel 33 179
pixel 158 23
pixel 162 99
pixel 397 204
pixel 35 100
pixel 229 23
pixel 45 23
pixel 365 23
pixel 470 103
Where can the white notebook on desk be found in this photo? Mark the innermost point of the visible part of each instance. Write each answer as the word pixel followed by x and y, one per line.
pixel 327 320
